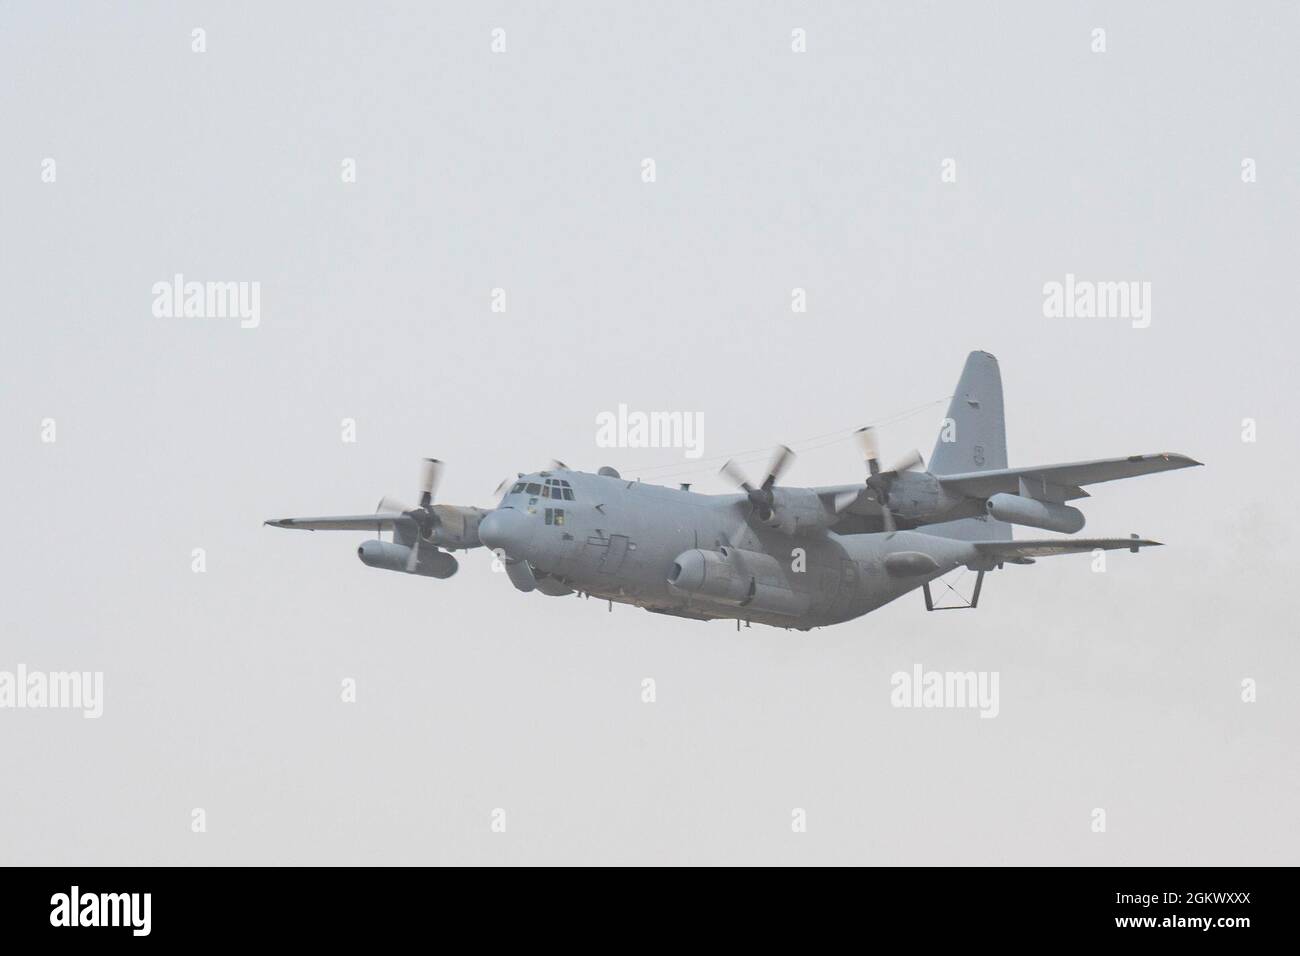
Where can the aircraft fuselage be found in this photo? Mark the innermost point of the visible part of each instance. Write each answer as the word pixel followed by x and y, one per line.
pixel 621 540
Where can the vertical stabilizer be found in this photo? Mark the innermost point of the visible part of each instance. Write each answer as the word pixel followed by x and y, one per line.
pixel 974 435
pixel 973 438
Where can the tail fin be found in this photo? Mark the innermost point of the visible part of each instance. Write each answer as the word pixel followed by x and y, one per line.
pixel 973 438
pixel 974 435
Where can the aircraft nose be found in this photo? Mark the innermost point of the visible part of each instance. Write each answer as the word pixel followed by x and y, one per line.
pixel 505 529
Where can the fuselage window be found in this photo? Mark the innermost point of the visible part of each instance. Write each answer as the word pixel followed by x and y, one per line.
pixel 534 488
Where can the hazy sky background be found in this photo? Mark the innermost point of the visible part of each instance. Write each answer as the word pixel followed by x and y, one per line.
pixel 522 171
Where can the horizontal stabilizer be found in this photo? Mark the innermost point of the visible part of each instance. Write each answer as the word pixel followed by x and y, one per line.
pixel 1017 551
pixel 344 522
pixel 983 484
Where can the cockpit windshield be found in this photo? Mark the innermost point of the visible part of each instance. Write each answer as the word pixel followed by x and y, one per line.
pixel 552 488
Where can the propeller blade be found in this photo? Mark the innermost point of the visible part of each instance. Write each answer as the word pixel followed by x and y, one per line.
pixel 557 465
pixel 909 461
pixel 780 462
pixel 430 475
pixel 389 506
pixel 732 471
pixel 870 448
pixel 846 498
pixel 888 517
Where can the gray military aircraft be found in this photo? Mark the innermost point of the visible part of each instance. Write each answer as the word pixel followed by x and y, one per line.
pixel 782 556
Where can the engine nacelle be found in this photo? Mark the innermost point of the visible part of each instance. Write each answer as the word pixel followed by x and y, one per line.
pixel 736 578
pixel 1018 509
pixel 393 557
pixel 798 511
pixel 457 527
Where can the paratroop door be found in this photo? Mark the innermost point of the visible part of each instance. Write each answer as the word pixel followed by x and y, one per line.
pixel 614 554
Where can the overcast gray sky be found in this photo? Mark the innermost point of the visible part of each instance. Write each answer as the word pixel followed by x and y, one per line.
pixel 522 170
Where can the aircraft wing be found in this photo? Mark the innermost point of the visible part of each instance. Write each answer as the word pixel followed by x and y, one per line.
pixel 343 522
pixel 1068 477
pixel 848 499
pixel 1023 552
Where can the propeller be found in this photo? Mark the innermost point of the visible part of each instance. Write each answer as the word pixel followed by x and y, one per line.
pixel 506 482
pixel 761 497
pixel 425 518
pixel 878 480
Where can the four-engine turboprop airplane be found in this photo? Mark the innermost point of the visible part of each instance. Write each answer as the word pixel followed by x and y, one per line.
pixel 783 556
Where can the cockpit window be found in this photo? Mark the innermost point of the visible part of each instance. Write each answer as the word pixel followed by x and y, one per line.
pixel 561 489
pixel 553 488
